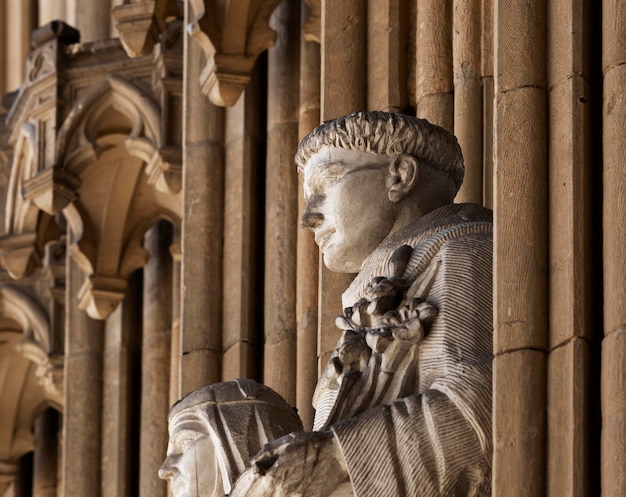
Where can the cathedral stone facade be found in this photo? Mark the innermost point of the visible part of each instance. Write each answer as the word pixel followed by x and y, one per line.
pixel 150 244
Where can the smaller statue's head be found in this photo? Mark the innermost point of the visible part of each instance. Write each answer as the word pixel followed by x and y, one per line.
pixel 214 432
pixel 368 174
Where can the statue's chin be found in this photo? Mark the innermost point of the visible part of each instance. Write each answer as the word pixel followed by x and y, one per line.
pixel 340 265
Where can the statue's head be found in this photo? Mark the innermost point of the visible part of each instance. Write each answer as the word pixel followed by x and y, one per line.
pixel 368 174
pixel 214 432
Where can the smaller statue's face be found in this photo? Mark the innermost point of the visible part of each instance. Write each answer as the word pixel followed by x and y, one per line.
pixel 347 205
pixel 191 463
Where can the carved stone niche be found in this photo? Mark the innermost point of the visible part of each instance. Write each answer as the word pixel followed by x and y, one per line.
pixel 231 34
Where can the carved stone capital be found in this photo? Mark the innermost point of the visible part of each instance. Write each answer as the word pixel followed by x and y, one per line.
pixel 140 24
pixel 19 254
pixel 232 35
pixel 52 189
pixel 49 370
pixel 100 295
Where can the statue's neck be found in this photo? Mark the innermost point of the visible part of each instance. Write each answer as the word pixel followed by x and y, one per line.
pixel 410 233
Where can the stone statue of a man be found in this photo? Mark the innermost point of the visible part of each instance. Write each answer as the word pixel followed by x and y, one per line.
pixel 403 407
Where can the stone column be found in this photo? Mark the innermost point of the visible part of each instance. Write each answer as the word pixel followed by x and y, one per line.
pixel 308 253
pixel 94 21
pixel 344 63
pixel 520 246
pixel 50 10
pixel 45 465
pixel 281 207
pixel 155 359
pixel 387 57
pixel 614 257
pixel 434 85
pixel 121 394
pixel 175 392
pixel 486 72
pixel 570 307
pixel 3 53
pixel 84 339
pixel 19 22
pixel 242 333
pixel 202 228
pixel 468 95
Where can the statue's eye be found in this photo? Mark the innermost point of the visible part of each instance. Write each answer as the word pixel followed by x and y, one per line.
pixel 185 442
pixel 185 438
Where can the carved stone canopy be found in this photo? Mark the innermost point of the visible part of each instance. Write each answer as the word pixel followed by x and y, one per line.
pixel 231 34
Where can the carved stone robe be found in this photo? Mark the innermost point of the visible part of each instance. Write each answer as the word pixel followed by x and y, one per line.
pixel 436 442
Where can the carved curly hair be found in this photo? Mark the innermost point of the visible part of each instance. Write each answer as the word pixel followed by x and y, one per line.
pixel 386 133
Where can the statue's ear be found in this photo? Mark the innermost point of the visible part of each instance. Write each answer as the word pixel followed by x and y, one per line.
pixel 404 171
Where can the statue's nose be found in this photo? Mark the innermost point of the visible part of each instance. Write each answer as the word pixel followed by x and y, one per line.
pixel 166 471
pixel 311 220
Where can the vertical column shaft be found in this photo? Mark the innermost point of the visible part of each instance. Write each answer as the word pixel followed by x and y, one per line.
pixel 243 232
pixel 468 98
pixel 613 460
pixel 281 208
pixel 434 80
pixel 156 349
pixel 175 393
pixel 19 22
pixel 387 57
pixel 569 244
pixel 486 71
pixel 84 339
pixel 51 10
pixel 45 464
pixel 93 20
pixel 202 228
pixel 308 253
pixel 343 65
pixel 520 307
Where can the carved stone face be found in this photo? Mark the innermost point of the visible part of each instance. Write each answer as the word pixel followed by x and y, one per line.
pixel 347 205
pixel 191 463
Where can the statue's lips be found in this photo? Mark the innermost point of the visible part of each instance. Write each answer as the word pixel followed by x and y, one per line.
pixel 323 238
pixel 178 487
